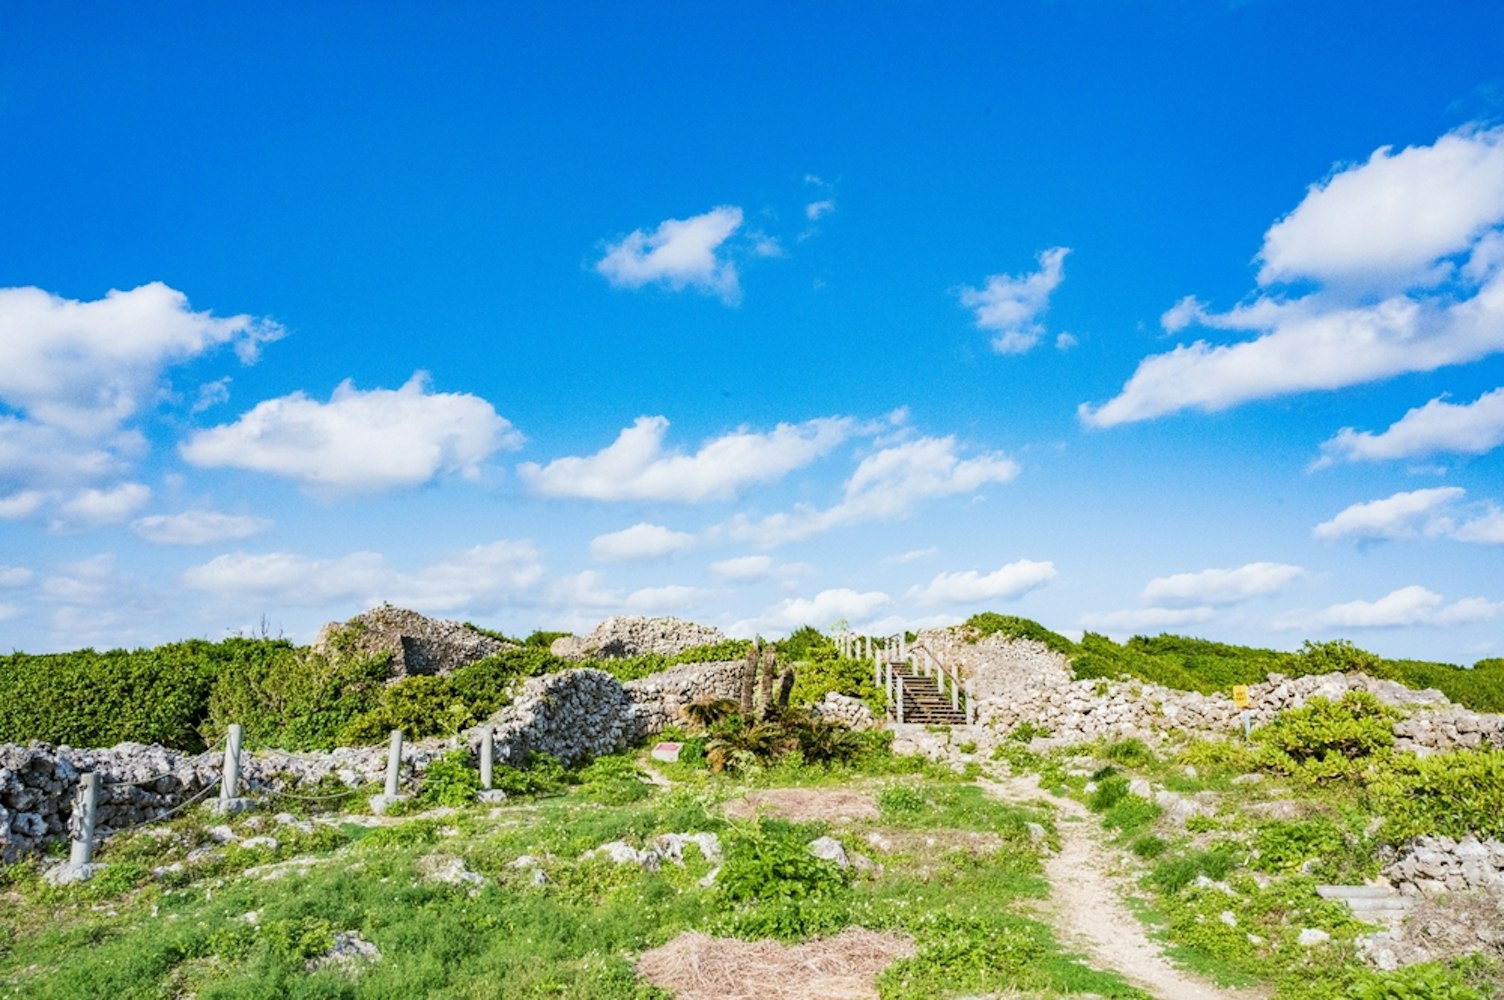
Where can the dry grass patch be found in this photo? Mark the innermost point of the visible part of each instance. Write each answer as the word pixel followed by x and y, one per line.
pixel 803 805
pixel 695 966
pixel 888 840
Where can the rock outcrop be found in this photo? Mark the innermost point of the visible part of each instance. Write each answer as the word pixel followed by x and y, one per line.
pixel 629 635
pixel 417 644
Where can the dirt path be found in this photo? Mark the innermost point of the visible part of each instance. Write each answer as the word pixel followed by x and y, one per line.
pixel 1088 907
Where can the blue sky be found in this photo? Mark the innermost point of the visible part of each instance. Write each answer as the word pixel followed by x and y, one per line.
pixel 1129 317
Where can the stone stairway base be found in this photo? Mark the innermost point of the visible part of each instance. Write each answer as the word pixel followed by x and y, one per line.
pixel 1374 904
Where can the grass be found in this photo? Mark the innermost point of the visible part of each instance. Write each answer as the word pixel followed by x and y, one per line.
pixel 228 926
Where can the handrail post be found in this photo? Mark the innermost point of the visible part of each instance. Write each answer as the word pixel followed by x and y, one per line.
pixel 899 702
pixel 971 705
pixel 487 757
pixel 379 803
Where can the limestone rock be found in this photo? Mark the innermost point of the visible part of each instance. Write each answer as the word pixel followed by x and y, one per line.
pixel 418 644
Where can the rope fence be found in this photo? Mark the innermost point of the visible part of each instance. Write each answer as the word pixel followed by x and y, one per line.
pixel 83 826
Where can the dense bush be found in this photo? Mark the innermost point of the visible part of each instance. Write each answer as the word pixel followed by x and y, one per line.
pixel 774 886
pixel 986 623
pixel 1450 794
pixel 299 702
pixel 1327 738
pixel 159 695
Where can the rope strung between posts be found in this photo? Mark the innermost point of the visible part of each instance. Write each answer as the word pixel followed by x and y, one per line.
pixel 186 762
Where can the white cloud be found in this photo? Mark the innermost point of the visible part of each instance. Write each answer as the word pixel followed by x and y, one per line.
pixel 359 441
pixel 742 568
pixel 1010 305
pixel 1394 217
pixel 1402 515
pixel 211 394
pixel 912 555
pixel 1412 605
pixel 639 542
pixel 886 485
pixel 15 576
pixel 87 367
pixel 288 578
pixel 1220 586
pixel 636 467
pixel 94 582
pixel 817 210
pixel 1133 619
pixel 22 504
pixel 198 527
pixel 587 591
pixel 469 579
pixel 1065 341
pixel 35 455
pixel 971 587
pixel 823 609
pixel 1487 528
pixel 1378 240
pixel 91 508
pixel 8 611
pixel 680 253
pixel 474 578
pixel 1439 426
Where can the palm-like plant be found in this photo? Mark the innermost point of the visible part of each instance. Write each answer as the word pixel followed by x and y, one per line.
pixel 707 713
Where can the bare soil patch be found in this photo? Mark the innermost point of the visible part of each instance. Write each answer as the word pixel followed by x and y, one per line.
pixel 803 805
pixel 887 840
pixel 695 966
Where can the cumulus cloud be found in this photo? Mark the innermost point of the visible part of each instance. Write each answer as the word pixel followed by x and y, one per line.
pixel 1220 587
pixel 1011 305
pixel 640 541
pixel 678 254
pixel 1439 426
pixel 637 467
pixel 588 591
pixel 94 507
pixel 359 441
pixel 198 527
pixel 886 485
pixel 22 504
pixel 911 556
pixel 15 576
pixel 1393 218
pixel 1487 528
pixel 970 587
pixel 1408 256
pixel 87 367
pixel 822 610
pixel 1402 515
pixel 1413 605
pixel 93 582
pixel 1135 619
pixel 468 579
pixel 742 568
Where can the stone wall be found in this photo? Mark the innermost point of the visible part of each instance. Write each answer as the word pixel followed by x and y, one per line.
pixel 1021 681
pixel 1430 865
pixel 418 644
pixel 847 711
pixel 660 698
pixel 622 636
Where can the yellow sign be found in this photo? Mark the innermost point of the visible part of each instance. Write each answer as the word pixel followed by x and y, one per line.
pixel 1240 695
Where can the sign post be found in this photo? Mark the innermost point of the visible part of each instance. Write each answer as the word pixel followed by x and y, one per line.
pixel 1240 699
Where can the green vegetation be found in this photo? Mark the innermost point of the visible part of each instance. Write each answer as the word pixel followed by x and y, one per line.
pixel 980 626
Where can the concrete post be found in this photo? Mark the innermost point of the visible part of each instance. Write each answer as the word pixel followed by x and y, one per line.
pixel 487 757
pixel 85 807
pixel 394 764
pixel 877 674
pixel 229 779
pixel 229 775
pixel 899 701
pixel 955 693
pixel 971 705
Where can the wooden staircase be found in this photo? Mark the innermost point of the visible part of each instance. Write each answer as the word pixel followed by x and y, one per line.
pixel 922 701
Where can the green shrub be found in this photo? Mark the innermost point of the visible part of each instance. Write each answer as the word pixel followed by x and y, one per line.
pixel 986 623
pixel 1175 873
pixel 1130 814
pixel 1450 794
pixel 897 801
pixel 772 884
pixel 1148 846
pixel 612 780
pixel 1284 846
pixel 1427 981
pixel 1110 790
pixel 1329 738
pixel 1130 753
pixel 450 780
pixel 159 695
pixel 539 775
